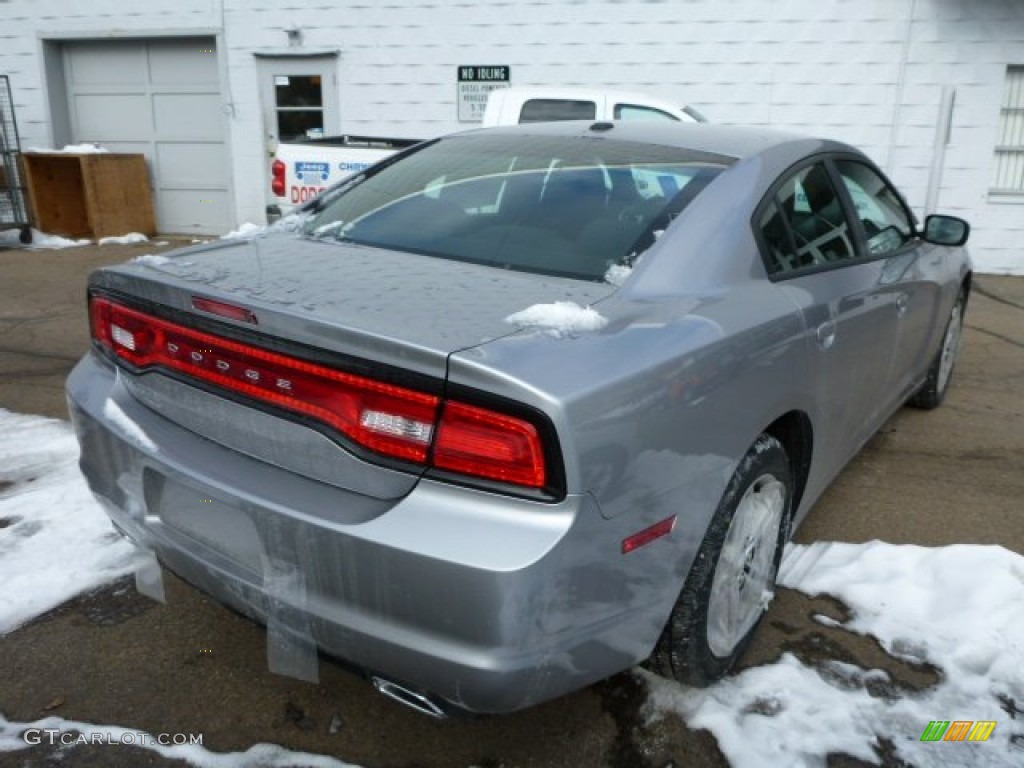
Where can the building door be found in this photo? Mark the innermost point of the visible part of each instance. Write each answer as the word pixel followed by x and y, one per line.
pixel 161 98
pixel 300 101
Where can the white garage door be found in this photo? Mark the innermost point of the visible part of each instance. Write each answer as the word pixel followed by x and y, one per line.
pixel 161 98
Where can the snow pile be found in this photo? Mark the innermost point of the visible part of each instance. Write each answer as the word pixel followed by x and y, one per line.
pixel 559 319
pixel 960 608
pixel 257 756
pixel 72 149
pixel 10 239
pixel 325 229
pixel 247 231
pixel 617 274
pixel 151 260
pixel 130 239
pixel 290 223
pixel 55 540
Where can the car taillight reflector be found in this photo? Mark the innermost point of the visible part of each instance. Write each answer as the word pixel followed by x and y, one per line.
pixel 277 181
pixel 384 418
pixel 478 441
pixel 649 534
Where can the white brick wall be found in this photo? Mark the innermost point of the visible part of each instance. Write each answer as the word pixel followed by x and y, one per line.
pixel 841 68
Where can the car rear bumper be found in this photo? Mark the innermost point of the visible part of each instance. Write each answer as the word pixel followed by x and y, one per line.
pixel 485 602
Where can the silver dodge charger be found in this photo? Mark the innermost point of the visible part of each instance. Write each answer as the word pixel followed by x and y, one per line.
pixel 516 409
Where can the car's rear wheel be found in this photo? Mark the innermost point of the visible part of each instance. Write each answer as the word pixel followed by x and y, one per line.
pixel 733 576
pixel 933 391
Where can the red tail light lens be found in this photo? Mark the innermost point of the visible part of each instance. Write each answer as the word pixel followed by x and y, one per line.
pixel 390 420
pixel 277 182
pixel 387 419
pixel 481 442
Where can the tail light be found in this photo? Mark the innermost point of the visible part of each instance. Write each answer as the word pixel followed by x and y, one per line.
pixel 478 441
pixel 386 419
pixel 277 182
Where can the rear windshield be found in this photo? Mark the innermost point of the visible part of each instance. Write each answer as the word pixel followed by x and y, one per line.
pixel 570 206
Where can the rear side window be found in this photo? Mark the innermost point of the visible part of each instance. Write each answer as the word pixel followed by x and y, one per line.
pixel 567 206
pixel 552 110
pixel 888 225
pixel 636 112
pixel 804 225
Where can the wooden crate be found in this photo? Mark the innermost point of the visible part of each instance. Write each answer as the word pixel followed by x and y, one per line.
pixel 89 195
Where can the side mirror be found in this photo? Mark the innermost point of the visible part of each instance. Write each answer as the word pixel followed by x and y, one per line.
pixel 945 230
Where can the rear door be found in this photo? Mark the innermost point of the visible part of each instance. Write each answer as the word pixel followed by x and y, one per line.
pixel 811 252
pixel 300 102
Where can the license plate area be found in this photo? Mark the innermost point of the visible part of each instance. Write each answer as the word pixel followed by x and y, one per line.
pixel 200 515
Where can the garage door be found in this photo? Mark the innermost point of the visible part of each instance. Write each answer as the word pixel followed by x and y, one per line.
pixel 161 98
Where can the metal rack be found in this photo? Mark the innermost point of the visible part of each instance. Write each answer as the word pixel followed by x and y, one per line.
pixel 13 211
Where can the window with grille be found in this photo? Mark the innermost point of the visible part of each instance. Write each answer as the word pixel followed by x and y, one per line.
pixel 1009 175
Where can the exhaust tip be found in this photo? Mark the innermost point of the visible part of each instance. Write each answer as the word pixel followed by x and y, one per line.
pixel 403 695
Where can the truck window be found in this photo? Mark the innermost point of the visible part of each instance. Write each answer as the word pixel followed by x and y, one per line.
pixel 551 110
pixel 636 112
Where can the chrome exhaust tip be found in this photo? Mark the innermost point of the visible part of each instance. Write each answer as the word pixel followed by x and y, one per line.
pixel 403 695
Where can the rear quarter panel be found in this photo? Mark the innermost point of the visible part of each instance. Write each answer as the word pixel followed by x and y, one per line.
pixel 653 412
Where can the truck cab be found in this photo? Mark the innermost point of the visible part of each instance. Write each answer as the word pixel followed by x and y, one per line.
pixel 532 104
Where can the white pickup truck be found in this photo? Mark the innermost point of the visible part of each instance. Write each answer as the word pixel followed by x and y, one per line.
pixel 302 170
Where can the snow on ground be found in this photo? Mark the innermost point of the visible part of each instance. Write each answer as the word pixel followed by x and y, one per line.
pixel 12 738
pixel 9 239
pixel 960 608
pixel 559 319
pixel 130 239
pixel 55 540
pixel 72 149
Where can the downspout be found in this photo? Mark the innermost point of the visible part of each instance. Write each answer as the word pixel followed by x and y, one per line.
pixel 901 81
pixel 229 104
pixel 943 127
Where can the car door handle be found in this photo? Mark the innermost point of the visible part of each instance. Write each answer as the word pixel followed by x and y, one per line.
pixel 826 334
pixel 901 304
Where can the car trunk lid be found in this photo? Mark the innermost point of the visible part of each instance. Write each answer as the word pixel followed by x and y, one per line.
pixel 383 315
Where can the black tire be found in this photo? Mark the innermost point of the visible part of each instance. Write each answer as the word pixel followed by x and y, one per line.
pixel 933 391
pixel 684 652
pixel 25 236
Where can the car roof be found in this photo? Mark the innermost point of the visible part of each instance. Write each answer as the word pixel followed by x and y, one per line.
pixel 738 142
